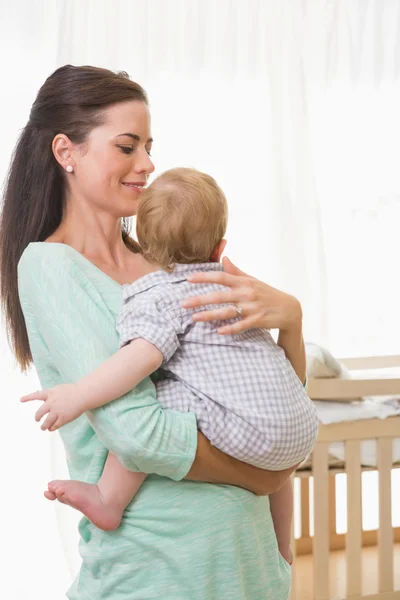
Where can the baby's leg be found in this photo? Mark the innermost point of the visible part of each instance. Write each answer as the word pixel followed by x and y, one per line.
pixel 103 504
pixel 281 504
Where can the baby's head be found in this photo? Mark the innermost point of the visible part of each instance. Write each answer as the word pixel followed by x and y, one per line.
pixel 182 219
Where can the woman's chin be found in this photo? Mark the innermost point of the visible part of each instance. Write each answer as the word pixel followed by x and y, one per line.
pixel 128 214
pixel 127 210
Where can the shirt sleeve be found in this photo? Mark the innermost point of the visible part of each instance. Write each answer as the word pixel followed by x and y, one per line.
pixel 147 318
pixel 71 332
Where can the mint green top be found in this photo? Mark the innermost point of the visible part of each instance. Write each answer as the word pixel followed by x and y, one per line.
pixel 178 540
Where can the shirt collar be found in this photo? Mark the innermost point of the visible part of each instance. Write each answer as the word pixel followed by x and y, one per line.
pixel 179 274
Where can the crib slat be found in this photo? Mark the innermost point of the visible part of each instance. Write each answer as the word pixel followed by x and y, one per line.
pixel 321 521
pixel 293 587
pixel 332 504
pixel 354 518
pixel 385 531
pixel 305 507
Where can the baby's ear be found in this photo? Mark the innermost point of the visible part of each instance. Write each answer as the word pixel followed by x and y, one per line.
pixel 219 250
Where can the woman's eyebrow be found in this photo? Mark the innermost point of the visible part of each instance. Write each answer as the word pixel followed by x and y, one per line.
pixel 134 137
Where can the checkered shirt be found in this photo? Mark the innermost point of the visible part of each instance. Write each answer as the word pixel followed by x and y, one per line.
pixel 246 396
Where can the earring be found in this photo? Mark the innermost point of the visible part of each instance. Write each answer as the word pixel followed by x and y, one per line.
pixel 69 169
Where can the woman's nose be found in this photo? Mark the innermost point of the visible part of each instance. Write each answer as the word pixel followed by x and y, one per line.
pixel 144 164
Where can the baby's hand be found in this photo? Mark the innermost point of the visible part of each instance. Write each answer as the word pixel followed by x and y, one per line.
pixel 60 403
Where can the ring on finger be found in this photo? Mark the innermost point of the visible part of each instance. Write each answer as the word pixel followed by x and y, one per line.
pixel 239 310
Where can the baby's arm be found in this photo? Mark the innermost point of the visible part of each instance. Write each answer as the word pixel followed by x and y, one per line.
pixel 114 378
pixel 281 504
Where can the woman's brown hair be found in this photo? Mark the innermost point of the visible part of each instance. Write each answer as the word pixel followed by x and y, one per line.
pixel 71 101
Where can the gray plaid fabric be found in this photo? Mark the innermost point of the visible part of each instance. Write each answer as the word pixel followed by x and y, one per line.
pixel 246 396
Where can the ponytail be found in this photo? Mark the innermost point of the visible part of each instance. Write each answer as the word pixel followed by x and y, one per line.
pixel 70 101
pixel 32 210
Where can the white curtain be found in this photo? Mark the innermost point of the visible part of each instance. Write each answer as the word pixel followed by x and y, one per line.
pixel 293 106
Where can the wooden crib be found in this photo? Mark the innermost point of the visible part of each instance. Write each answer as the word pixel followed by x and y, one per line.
pixel 322 549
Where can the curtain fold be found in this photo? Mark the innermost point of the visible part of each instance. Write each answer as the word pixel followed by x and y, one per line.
pixel 353 41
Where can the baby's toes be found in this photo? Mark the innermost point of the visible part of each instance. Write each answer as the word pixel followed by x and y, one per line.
pixel 58 487
pixel 50 495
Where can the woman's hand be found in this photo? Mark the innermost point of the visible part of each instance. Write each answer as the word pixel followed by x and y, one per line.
pixel 261 305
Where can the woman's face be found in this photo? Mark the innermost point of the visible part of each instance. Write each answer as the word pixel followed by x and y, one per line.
pixel 113 165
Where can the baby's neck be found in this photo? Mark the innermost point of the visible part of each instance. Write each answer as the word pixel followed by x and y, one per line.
pixel 150 267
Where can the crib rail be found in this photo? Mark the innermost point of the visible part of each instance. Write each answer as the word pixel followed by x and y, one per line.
pixel 325 538
pixel 372 362
pixel 345 389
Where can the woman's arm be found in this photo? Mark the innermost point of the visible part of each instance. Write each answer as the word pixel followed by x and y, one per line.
pixel 65 310
pixel 291 341
pixel 77 334
pixel 214 466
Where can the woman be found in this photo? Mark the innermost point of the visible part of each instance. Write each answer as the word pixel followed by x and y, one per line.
pixel 78 169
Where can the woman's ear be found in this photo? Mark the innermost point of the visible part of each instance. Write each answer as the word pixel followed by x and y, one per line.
pixel 62 149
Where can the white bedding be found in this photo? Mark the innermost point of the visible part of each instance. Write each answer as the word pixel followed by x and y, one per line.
pixel 371 407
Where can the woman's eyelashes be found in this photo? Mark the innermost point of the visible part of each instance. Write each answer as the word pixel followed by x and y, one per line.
pixel 130 149
pixel 126 149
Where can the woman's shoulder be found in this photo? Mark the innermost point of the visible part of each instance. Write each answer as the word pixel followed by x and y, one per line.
pixel 45 264
pixel 44 254
pixel 59 273
pixel 45 261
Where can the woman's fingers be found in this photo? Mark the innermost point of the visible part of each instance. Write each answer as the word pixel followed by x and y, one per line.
pixel 262 305
pixel 239 326
pixel 247 318
pixel 43 410
pixel 210 298
pixel 232 269
pixel 219 314
pixel 219 277
pixel 39 395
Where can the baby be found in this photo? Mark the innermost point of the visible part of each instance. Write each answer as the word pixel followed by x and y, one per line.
pixel 246 396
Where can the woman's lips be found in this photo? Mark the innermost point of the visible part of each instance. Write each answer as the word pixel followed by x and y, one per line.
pixel 136 187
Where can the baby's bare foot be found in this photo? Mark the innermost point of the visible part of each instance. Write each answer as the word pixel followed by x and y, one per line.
pixel 49 495
pixel 86 498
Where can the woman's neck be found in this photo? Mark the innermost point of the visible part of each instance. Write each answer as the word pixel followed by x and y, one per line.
pixel 95 235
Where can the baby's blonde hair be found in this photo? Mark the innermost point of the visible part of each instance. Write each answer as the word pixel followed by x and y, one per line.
pixel 182 217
